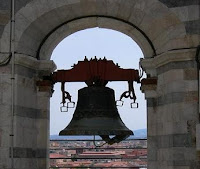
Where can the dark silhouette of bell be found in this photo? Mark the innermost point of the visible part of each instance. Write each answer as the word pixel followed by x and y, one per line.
pixel 96 114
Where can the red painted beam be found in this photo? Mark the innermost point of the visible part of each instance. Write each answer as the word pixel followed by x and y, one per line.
pixel 104 70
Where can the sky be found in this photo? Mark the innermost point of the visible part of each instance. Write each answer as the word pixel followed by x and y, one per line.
pixel 97 42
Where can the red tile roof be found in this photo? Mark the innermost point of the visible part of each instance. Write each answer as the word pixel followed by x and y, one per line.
pixel 55 155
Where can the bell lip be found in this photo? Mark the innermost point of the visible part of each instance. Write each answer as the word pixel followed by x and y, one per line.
pixel 94 132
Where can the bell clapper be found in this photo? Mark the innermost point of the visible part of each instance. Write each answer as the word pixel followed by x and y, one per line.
pixel 110 141
pixel 115 139
pixel 98 146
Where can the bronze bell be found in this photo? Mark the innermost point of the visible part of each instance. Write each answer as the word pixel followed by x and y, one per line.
pixel 96 114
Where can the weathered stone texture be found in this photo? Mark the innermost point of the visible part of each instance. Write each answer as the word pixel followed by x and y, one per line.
pixel 31 119
pixel 170 98
pixel 5 5
pixel 198 138
pixel 190 74
pixel 4 17
pixel 175 140
pixel 193 27
pixel 29 153
pixel 187 13
pixel 173 115
pixel 177 65
pixel 0 136
pixel 127 8
pixel 21 3
pixel 1 29
pixel 172 3
pixel 30 113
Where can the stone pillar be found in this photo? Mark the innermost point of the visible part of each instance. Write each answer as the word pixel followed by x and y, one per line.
pixel 172 111
pixel 31 114
pixel 149 86
pixel 5 115
pixel 43 123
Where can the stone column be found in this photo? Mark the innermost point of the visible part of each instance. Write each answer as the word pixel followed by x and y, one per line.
pixel 149 86
pixel 172 111
pixel 31 114
pixel 44 93
pixel 5 115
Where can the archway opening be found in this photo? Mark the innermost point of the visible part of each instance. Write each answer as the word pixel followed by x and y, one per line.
pixel 101 43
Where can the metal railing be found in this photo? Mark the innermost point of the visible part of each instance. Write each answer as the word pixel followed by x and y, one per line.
pixel 66 145
pixel 144 167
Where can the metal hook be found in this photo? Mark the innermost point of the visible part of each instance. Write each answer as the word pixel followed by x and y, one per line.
pixel 66 95
pixel 129 94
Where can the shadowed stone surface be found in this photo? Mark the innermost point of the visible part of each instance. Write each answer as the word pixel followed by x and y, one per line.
pixel 5 4
pixel 30 113
pixel 170 98
pixel 20 152
pixel 21 3
pixel 193 27
pixel 27 72
pixel 178 3
pixel 176 65
pixel 1 29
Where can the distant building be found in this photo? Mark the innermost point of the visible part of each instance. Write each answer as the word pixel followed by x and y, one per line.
pixel 102 156
pixel 56 158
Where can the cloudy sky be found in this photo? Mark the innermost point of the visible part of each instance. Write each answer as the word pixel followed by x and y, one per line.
pixel 98 42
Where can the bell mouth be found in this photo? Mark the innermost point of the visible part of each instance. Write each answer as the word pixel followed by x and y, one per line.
pixel 118 136
pixel 94 132
pixel 96 126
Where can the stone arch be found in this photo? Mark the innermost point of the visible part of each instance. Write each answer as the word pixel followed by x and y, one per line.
pixel 148 22
pixel 89 22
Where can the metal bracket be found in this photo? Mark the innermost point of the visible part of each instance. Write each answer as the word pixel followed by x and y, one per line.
pixel 66 96
pixel 129 94
pixel 96 72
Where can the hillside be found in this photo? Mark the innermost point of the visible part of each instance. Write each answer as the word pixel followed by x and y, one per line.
pixel 141 133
